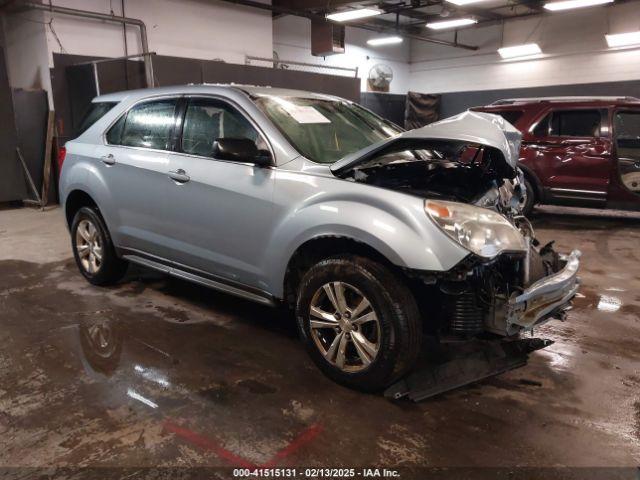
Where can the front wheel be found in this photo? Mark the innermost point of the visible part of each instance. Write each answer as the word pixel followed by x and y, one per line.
pixel 530 198
pixel 359 322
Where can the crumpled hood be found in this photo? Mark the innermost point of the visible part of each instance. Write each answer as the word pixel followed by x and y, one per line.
pixel 474 127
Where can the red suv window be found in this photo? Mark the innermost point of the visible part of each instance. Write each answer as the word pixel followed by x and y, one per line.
pixel 576 123
pixel 511 116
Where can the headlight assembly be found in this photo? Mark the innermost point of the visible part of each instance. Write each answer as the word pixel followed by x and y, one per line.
pixel 482 231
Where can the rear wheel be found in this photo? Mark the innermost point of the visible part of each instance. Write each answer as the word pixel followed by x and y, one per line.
pixel 359 322
pixel 93 249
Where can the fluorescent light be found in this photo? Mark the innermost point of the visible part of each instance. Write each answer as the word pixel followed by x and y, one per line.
pixel 464 2
pixel 570 4
pixel 623 39
pixel 520 50
pixel 384 41
pixel 458 22
pixel 353 14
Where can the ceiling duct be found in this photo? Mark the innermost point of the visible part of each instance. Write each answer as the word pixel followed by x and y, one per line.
pixel 326 38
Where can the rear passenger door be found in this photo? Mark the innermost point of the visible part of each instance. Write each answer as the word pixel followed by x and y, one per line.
pixel 134 162
pixel 221 211
pixel 574 147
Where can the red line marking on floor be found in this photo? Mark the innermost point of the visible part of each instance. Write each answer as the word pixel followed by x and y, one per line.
pixel 207 444
pixel 305 437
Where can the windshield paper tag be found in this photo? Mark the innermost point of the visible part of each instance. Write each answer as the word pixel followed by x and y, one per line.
pixel 307 114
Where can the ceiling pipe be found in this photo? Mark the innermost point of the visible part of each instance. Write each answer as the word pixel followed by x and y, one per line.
pixel 373 28
pixel 148 65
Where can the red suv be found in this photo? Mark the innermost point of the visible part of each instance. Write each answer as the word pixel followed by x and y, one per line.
pixel 577 151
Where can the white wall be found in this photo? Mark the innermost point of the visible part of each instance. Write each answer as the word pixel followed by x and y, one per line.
pixel 573 44
pixel 203 29
pixel 292 41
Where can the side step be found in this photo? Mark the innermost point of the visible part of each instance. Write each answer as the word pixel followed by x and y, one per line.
pixel 464 364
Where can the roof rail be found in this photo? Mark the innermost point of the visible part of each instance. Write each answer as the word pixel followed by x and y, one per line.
pixel 509 101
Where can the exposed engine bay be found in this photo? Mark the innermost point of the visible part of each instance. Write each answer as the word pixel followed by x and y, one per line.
pixel 446 169
pixel 477 297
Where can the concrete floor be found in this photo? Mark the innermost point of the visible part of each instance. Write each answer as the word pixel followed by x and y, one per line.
pixel 204 379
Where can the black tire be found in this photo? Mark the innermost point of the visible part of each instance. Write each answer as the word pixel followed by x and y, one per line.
pixel 531 200
pixel 400 325
pixel 110 268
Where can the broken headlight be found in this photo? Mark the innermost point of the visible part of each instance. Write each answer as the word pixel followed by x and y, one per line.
pixel 482 231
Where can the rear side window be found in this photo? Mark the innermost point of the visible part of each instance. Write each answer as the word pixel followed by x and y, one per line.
pixel 147 125
pixel 576 123
pixel 511 116
pixel 96 112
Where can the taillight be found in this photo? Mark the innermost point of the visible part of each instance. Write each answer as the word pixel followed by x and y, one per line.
pixel 62 153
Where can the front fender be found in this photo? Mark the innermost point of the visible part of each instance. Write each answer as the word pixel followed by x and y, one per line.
pixel 392 223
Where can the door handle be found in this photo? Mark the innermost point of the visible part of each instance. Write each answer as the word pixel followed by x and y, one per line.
pixel 108 159
pixel 179 176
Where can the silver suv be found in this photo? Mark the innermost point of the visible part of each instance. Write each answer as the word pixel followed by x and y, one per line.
pixel 373 236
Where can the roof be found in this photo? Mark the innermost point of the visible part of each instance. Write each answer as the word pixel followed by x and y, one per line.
pixel 569 99
pixel 252 90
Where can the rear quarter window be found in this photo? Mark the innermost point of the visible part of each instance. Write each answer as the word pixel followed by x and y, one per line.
pixel 95 112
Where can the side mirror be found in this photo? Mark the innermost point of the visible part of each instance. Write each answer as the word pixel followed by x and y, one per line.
pixel 241 150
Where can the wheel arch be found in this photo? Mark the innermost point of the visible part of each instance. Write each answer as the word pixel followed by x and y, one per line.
pixel 323 246
pixel 76 199
pixel 530 175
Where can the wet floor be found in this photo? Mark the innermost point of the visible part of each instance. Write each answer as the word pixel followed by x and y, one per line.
pixel 158 372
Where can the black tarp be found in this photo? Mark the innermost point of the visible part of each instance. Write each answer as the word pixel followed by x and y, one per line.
pixel 421 109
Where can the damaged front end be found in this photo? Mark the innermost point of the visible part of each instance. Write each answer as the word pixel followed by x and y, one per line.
pixel 507 284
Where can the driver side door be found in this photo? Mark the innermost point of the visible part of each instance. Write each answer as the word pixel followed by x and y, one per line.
pixel 220 211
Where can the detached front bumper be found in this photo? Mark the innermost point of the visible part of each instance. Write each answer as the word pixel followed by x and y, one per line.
pixel 548 297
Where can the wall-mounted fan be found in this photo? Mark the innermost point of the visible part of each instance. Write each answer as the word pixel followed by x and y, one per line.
pixel 380 77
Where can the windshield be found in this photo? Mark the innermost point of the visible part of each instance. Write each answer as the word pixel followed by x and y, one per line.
pixel 325 130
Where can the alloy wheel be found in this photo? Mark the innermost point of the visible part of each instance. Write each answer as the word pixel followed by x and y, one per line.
pixel 344 326
pixel 89 246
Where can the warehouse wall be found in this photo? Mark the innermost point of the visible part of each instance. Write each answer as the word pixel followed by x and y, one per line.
pixel 574 49
pixel 26 50
pixel 202 29
pixel 292 41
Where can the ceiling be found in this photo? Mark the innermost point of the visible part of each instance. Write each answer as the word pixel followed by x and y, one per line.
pixel 408 17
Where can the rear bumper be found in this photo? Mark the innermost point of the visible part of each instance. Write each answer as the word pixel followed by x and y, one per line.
pixel 548 297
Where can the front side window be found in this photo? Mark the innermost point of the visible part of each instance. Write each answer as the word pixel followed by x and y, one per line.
pixel 576 123
pixel 511 116
pixel 207 120
pixel 325 130
pixel 542 128
pixel 147 125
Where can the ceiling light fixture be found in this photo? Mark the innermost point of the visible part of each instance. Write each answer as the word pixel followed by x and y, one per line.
pixel 524 50
pixel 623 39
pixel 458 22
pixel 571 4
pixel 347 15
pixel 374 42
